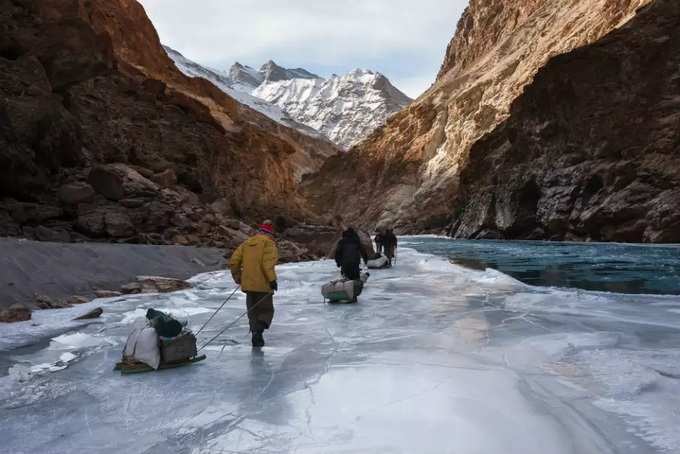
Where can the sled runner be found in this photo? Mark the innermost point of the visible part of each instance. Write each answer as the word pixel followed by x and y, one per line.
pixel 134 367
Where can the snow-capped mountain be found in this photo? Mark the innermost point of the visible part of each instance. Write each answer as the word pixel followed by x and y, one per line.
pixel 245 78
pixel 234 87
pixel 274 73
pixel 344 109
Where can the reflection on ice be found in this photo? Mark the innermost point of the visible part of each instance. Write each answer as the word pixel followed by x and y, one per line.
pixel 435 358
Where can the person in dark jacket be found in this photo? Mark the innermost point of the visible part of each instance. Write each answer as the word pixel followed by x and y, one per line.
pixel 379 242
pixel 390 244
pixel 349 253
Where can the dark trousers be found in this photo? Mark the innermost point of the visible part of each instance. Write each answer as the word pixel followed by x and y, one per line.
pixel 351 271
pixel 260 310
pixel 389 252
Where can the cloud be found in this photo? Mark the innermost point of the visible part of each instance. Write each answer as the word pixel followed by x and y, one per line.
pixel 404 39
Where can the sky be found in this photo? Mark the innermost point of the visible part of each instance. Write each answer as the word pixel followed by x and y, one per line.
pixel 403 39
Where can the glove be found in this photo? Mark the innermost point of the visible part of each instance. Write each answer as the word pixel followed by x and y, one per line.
pixel 274 286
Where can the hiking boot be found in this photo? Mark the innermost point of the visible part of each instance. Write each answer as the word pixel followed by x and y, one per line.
pixel 258 340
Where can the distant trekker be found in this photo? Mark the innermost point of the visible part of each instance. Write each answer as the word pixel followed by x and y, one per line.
pixel 252 266
pixel 348 254
pixel 390 244
pixel 379 241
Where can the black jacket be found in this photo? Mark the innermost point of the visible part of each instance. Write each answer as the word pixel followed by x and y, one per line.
pixel 349 251
pixel 390 240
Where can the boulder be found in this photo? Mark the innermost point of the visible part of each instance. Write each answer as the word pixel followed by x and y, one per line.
pixel 158 214
pixel 106 293
pixel 94 313
pixel 291 252
pixel 43 233
pixel 165 179
pixel 186 240
pixel 233 237
pixel 245 228
pixel 76 300
pixel 118 224
pixel 317 238
pixel 231 223
pixel 7 225
pixel 45 302
pixel 132 203
pixel 33 212
pixel 118 181
pixel 75 193
pixel 91 222
pixel 181 220
pixel 222 207
pixel 132 288
pixel 15 313
pixel 157 284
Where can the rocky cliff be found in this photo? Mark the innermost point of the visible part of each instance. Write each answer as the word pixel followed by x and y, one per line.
pixel 408 173
pixel 590 149
pixel 236 84
pixel 101 137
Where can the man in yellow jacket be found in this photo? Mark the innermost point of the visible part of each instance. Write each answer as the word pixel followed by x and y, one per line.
pixel 252 266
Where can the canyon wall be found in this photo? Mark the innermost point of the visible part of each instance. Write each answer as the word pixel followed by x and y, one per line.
pixel 408 174
pixel 101 137
pixel 590 149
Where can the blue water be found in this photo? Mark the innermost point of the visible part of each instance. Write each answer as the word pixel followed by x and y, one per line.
pixel 620 268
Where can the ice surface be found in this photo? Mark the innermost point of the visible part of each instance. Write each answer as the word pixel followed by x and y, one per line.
pixel 435 358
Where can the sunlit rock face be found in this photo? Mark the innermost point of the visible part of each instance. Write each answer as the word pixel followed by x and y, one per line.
pixel 407 173
pixel 85 86
pixel 590 149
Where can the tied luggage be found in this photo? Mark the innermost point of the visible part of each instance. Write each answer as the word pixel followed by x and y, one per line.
pixel 378 263
pixel 165 325
pixel 162 342
pixel 179 348
pixel 142 346
pixel 344 290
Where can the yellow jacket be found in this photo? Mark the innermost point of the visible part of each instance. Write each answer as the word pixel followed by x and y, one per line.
pixel 252 263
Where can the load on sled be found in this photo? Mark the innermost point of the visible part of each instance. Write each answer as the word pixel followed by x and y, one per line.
pixel 162 342
pixel 344 290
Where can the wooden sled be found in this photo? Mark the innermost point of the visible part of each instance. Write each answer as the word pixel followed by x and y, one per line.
pixel 345 301
pixel 127 367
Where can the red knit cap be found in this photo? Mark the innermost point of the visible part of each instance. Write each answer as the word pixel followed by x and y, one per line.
pixel 267 227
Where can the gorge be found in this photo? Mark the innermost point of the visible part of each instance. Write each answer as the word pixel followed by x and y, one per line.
pixel 548 120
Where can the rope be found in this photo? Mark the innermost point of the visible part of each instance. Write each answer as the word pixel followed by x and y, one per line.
pixel 235 321
pixel 218 309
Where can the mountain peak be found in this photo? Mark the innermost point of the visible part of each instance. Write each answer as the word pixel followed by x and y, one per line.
pixel 335 108
pixel 359 72
pixel 269 64
pixel 245 75
pixel 274 73
pixel 346 109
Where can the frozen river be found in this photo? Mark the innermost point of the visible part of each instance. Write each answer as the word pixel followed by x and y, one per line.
pixel 435 358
